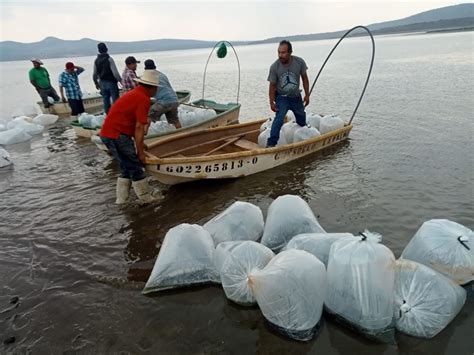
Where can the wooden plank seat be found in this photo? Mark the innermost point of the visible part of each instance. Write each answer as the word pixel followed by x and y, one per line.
pixel 246 144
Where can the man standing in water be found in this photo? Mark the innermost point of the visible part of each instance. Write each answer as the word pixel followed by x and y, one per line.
pixel 106 76
pixel 123 133
pixel 69 82
pixel 39 78
pixel 284 90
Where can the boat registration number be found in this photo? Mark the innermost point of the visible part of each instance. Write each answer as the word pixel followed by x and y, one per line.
pixel 209 168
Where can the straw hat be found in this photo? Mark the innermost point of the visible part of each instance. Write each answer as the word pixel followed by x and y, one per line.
pixel 149 77
pixel 36 60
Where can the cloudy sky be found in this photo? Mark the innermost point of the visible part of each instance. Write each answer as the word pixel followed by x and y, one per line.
pixel 128 20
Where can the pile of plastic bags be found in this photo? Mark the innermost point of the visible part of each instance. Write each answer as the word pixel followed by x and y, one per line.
pixel 91 121
pixel 291 132
pixel 23 128
pixel 297 270
pixel 191 115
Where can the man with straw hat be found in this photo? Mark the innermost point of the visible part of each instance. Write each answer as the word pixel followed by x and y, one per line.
pixel 166 101
pixel 39 78
pixel 123 133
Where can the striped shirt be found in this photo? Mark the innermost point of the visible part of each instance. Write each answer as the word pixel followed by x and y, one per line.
pixel 127 79
pixel 70 83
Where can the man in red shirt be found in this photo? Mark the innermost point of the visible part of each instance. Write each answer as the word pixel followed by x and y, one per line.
pixel 123 133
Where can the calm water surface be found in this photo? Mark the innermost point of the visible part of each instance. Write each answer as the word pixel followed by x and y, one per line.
pixel 78 262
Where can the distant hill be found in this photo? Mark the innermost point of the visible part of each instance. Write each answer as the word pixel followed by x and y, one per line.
pixel 466 23
pixel 52 47
pixel 444 13
pixel 445 18
pixel 455 17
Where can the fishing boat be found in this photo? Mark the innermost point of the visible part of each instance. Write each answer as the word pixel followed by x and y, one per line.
pixel 227 152
pixel 87 132
pixel 226 114
pixel 92 104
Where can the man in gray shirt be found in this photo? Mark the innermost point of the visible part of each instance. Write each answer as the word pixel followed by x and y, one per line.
pixel 166 100
pixel 284 90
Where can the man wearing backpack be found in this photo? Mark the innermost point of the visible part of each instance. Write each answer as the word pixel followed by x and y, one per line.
pixel 106 76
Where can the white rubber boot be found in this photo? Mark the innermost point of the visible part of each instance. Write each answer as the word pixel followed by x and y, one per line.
pixel 144 193
pixel 123 190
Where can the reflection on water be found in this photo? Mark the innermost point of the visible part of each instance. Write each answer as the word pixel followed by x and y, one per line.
pixel 77 261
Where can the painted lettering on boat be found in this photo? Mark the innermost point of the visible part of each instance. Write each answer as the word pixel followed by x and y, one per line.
pixel 208 168
pixel 310 147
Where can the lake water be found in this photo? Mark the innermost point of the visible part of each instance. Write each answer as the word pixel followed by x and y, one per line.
pixel 78 262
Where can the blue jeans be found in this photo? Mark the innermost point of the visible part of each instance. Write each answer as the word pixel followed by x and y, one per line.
pixel 285 104
pixel 108 90
pixel 123 150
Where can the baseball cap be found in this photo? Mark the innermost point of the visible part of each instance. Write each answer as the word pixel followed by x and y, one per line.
pixel 70 65
pixel 131 60
pixel 149 64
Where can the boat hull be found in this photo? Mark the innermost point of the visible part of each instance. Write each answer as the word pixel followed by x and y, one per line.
pixel 92 104
pixel 173 171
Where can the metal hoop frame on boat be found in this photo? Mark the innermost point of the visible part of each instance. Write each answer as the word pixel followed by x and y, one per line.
pixel 370 68
pixel 207 62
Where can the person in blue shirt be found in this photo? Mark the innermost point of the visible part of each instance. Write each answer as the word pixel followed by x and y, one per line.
pixel 69 82
pixel 166 100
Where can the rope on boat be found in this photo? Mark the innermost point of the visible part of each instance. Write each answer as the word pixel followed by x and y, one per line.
pixel 370 68
pixel 220 53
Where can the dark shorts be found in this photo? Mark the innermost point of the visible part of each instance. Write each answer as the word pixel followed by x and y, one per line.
pixel 77 106
pixel 170 111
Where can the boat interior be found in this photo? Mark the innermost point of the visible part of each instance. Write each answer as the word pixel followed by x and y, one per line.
pixel 218 107
pixel 230 139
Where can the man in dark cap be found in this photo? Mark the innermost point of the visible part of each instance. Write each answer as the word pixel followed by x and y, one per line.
pixel 39 78
pixel 166 100
pixel 106 76
pixel 129 73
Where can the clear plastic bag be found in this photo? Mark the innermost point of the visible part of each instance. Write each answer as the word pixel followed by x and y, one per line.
pixel 445 246
pixel 313 120
pixel 304 133
pixel 240 221
pixel 361 276
pixel 241 260
pixel 317 244
pixel 330 123
pixel 288 215
pixel 13 136
pixel 222 252
pixel 290 292
pixel 186 258
pixel 45 119
pixel 288 131
pixel 425 301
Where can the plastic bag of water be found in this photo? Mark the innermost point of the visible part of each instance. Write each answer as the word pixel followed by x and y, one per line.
pixel 288 215
pixel 242 259
pixel 290 292
pixel 446 246
pixel 186 258
pixel 425 301
pixel 240 221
